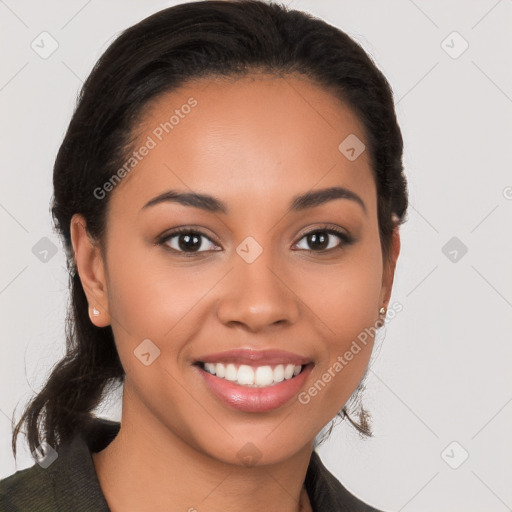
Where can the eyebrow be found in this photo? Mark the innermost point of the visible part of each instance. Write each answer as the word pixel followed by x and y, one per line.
pixel 298 203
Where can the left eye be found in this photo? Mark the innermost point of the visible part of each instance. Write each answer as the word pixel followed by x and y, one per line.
pixel 188 241
pixel 322 240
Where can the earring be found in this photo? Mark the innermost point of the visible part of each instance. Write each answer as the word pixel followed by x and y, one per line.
pixel 382 311
pixel 95 312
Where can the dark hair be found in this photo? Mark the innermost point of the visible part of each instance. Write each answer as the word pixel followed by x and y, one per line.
pixel 157 55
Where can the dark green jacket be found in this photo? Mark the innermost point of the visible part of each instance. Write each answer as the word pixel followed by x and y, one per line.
pixel 70 484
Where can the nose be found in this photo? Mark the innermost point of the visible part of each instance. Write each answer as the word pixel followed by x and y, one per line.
pixel 256 295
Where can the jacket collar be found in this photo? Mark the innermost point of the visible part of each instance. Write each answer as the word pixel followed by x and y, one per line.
pixel 326 493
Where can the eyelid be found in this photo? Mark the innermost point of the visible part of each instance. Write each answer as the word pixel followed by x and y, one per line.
pixel 164 238
pixel 332 229
pixel 324 227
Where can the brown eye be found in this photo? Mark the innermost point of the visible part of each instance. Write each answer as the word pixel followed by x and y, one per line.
pixel 321 240
pixel 187 241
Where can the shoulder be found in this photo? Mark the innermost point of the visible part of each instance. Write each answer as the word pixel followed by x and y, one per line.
pixel 27 489
pixel 66 482
pixel 326 492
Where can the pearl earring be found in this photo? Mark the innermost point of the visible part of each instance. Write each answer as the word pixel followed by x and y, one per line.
pixel 95 312
pixel 382 311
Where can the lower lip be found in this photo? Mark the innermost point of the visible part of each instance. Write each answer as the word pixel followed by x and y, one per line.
pixel 249 399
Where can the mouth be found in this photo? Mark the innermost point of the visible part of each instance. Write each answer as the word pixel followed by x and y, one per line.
pixel 254 382
pixel 252 376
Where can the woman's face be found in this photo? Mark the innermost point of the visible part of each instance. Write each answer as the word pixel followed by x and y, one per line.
pixel 243 285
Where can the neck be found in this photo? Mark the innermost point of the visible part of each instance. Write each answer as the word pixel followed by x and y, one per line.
pixel 176 477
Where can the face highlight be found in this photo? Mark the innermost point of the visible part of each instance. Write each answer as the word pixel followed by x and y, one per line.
pixel 243 227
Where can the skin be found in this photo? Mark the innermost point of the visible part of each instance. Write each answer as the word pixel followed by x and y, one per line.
pixel 255 143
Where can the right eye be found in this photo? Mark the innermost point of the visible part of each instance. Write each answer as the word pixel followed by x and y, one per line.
pixel 186 241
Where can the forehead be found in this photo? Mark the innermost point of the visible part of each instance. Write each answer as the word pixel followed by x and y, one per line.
pixel 259 136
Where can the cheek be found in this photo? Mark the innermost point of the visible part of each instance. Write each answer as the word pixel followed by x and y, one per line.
pixel 145 301
pixel 155 303
pixel 346 297
pixel 151 298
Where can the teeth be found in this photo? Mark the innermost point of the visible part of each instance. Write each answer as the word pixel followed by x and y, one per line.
pixel 264 376
pixel 245 375
pixel 231 373
pixel 279 373
pixel 210 367
pixel 288 371
pixel 219 370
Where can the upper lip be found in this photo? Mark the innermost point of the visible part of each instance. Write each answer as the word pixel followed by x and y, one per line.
pixel 251 356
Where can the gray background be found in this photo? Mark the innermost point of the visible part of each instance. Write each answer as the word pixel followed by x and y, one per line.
pixel 443 371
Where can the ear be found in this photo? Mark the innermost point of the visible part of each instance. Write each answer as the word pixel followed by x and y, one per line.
pixel 389 269
pixel 90 267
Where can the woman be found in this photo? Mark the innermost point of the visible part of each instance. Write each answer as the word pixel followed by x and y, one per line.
pixel 229 193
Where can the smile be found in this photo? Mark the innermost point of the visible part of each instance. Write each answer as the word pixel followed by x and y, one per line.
pixel 253 376
pixel 254 389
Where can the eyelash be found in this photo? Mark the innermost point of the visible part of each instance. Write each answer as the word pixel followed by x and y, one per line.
pixel 331 230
